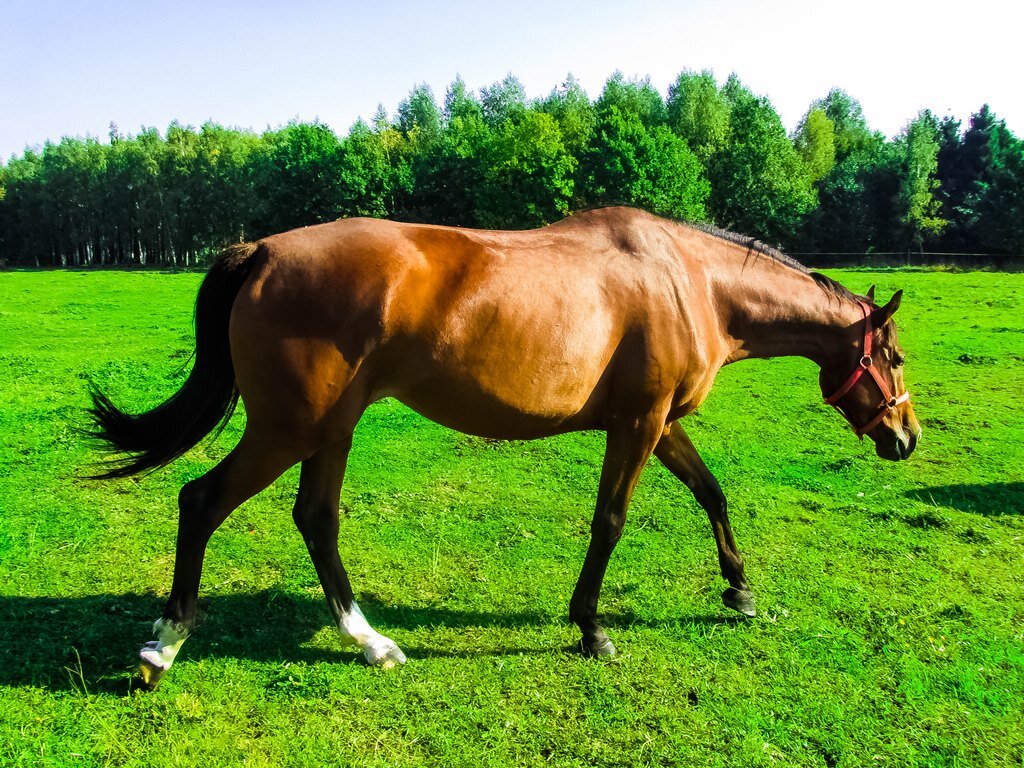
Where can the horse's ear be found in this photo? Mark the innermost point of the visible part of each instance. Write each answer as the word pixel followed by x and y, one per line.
pixel 871 293
pixel 881 315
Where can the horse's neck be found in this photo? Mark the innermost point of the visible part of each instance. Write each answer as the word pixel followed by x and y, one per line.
pixel 773 310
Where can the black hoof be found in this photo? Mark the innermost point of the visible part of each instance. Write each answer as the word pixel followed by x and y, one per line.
pixel 740 600
pixel 600 647
pixel 148 676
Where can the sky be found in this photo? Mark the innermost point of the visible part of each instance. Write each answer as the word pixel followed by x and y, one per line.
pixel 73 68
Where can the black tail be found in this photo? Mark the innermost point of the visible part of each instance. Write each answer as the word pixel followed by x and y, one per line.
pixel 206 400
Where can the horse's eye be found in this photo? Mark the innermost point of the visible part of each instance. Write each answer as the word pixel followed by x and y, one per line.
pixel 898 360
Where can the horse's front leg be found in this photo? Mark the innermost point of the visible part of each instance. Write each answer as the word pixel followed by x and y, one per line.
pixel 677 453
pixel 629 446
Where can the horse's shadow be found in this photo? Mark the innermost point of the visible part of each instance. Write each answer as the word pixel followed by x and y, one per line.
pixel 991 499
pixel 88 643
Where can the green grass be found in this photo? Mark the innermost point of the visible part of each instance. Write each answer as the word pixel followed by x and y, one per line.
pixel 892 600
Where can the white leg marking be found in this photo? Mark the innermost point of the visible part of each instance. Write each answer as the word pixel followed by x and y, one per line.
pixel 161 652
pixel 378 650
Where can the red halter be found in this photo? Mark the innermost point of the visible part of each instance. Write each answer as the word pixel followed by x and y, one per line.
pixel 889 401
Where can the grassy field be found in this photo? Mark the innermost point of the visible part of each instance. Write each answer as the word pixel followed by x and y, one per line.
pixel 891 595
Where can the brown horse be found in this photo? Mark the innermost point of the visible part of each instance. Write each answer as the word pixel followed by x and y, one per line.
pixel 613 319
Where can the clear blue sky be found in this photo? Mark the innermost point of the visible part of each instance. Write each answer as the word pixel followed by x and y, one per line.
pixel 72 68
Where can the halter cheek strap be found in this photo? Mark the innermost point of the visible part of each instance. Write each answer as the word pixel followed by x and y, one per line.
pixel 889 401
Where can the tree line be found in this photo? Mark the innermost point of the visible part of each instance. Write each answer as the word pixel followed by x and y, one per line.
pixel 496 159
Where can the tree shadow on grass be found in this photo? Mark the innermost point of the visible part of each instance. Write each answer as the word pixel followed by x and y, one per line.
pixel 992 499
pixel 91 642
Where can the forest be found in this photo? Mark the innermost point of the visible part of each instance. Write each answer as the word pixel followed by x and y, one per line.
pixel 832 191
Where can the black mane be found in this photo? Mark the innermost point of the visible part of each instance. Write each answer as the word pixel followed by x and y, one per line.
pixel 753 245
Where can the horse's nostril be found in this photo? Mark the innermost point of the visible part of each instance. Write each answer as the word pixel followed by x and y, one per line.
pixel 910 444
pixel 905 446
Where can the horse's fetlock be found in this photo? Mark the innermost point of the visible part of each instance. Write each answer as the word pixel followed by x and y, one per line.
pixel 578 613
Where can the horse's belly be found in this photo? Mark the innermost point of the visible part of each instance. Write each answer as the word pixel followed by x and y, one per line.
pixel 516 400
pixel 509 357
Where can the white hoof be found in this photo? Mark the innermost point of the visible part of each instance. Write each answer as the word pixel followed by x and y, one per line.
pixel 384 656
pixel 151 655
pixel 378 650
pixel 157 656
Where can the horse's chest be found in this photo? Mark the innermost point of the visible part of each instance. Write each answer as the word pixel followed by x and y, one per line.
pixel 693 390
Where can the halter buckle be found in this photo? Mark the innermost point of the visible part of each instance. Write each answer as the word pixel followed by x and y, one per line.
pixel 866 362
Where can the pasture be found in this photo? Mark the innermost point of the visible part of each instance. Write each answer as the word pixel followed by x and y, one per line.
pixel 891 595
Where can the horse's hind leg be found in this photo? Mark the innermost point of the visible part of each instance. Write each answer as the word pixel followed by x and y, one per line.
pixel 677 453
pixel 203 505
pixel 316 516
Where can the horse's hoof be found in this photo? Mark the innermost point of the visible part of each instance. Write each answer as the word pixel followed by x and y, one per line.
pixel 740 600
pixel 384 657
pixel 598 648
pixel 149 674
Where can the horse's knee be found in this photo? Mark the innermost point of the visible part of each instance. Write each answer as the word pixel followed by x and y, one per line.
pixel 607 529
pixel 314 518
pixel 197 508
pixel 714 501
pixel 608 537
pixel 191 497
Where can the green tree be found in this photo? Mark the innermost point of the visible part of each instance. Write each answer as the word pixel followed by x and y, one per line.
pixel 633 97
pixel 223 160
pixel 418 115
pixel 759 184
pixel 528 176
pixel 446 192
pixel 451 170
pixel 954 185
pixel 629 163
pixel 999 199
pixel 576 116
pixel 735 92
pixel 134 194
pixel 183 193
pixel 920 206
pixel 815 140
pixel 24 211
pixel 366 173
pixel 500 160
pixel 504 100
pixel 852 134
pixel 69 171
pixel 297 178
pixel 699 113
pixel 460 104
pixel 981 181
pixel 856 211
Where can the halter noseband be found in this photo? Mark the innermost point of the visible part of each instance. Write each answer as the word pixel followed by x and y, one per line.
pixel 889 401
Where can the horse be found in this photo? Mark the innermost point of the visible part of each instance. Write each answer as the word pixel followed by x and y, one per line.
pixel 612 319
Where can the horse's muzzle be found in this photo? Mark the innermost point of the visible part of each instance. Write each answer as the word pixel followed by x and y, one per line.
pixel 900 448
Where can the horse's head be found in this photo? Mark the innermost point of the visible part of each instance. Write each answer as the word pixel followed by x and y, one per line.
pixel 866 385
